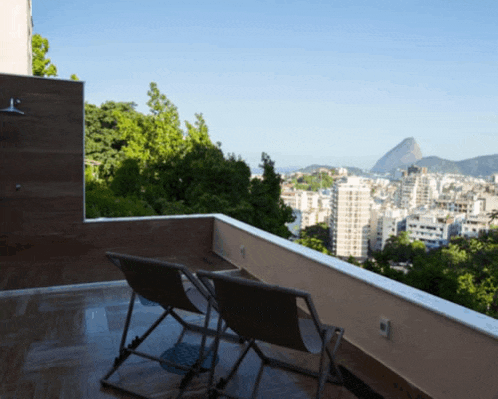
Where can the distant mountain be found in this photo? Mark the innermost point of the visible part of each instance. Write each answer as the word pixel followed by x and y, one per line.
pixel 314 167
pixel 404 154
pixel 439 165
pixel 480 166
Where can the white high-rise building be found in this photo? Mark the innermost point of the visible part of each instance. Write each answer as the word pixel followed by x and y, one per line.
pixel 349 219
pixel 16 30
pixel 417 188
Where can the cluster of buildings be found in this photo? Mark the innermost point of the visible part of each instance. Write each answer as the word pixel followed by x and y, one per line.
pixel 363 213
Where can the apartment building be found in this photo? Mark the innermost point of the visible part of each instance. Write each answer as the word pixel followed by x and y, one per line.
pixel 435 227
pixel 314 207
pixel 473 225
pixel 385 223
pixel 16 31
pixel 468 203
pixel 350 216
pixel 417 188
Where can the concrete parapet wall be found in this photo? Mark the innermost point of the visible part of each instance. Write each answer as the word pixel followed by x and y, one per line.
pixel 441 348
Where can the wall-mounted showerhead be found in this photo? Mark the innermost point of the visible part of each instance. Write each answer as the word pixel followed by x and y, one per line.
pixel 12 109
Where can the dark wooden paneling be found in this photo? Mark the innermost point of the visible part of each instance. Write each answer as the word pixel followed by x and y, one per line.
pixel 41 215
pixel 42 152
pixel 24 165
pixel 53 109
pixel 77 255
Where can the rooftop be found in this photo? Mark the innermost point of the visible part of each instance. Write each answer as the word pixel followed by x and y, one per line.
pixel 58 341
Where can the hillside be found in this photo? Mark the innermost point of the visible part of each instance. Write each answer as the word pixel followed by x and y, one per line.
pixel 478 166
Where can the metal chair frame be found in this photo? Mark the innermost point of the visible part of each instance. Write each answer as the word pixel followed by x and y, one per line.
pixel 326 333
pixel 131 349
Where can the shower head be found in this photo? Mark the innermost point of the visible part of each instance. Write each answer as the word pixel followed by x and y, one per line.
pixel 12 109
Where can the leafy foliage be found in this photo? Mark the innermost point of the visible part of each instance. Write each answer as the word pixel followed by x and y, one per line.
pixel 42 66
pixel 158 168
pixel 103 137
pixel 465 272
pixel 316 237
pixel 313 182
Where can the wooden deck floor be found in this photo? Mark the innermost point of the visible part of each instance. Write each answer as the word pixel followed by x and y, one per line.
pixel 59 344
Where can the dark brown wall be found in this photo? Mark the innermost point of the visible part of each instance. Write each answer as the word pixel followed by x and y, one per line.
pixel 43 238
pixel 43 152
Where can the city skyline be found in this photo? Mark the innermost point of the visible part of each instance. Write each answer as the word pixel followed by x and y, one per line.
pixel 305 82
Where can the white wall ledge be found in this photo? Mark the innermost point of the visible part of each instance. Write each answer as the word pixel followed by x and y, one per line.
pixel 458 313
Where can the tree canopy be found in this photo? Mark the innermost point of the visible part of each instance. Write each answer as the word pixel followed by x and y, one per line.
pixel 315 237
pixel 42 66
pixel 150 164
pixel 464 272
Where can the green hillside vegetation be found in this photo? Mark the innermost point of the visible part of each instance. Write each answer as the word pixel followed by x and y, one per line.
pixel 465 272
pixel 313 182
pixel 315 237
pixel 149 165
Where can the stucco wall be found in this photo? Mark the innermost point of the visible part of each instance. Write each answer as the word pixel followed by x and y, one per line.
pixel 443 357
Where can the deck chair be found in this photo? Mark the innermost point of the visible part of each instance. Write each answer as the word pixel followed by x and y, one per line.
pixel 268 313
pixel 171 286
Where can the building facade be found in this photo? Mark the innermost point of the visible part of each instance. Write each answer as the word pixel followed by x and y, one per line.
pixel 434 228
pixel 385 223
pixel 417 188
pixel 314 207
pixel 350 217
pixel 16 31
pixel 467 203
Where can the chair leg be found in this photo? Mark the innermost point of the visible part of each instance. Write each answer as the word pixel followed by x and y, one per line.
pixel 334 370
pixel 222 383
pixel 322 373
pixel 215 352
pixel 258 380
pixel 127 322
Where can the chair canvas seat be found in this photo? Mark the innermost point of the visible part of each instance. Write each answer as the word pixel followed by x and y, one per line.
pixel 268 313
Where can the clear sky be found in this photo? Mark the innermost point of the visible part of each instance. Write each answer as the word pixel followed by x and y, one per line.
pixel 327 82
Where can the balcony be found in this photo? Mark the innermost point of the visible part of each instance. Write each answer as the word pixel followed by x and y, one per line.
pixel 62 302
pixel 435 349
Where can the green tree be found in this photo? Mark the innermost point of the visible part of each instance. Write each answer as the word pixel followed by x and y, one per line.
pixel 270 212
pixel 313 243
pixel 128 180
pixel 197 134
pixel 42 66
pixel 400 249
pixel 154 137
pixel 100 201
pixel 319 231
pixel 103 137
pixel 150 166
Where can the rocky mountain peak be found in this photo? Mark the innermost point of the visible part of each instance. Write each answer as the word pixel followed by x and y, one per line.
pixel 404 154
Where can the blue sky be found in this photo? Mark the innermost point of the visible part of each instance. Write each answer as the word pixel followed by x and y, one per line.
pixel 336 83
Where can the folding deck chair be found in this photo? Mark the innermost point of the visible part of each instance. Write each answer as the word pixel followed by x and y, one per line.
pixel 262 312
pixel 162 283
